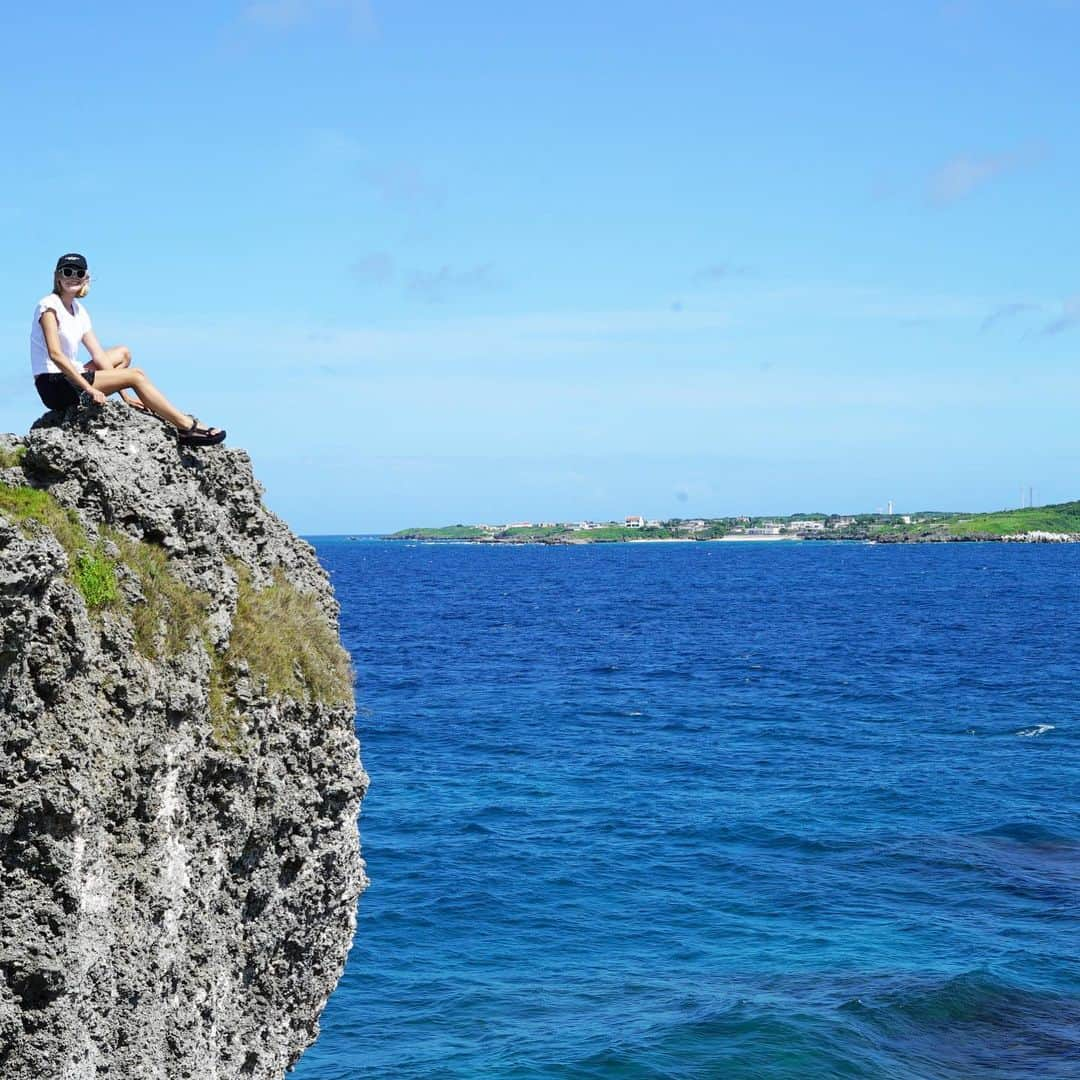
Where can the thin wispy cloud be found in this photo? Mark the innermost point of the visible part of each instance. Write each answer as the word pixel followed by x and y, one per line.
pixel 401 183
pixel 964 174
pixel 374 269
pixel 427 286
pixel 720 271
pixel 288 14
pixel 447 283
pixel 1067 320
pixel 1004 313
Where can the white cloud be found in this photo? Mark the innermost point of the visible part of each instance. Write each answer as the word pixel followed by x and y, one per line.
pixel 701 334
pixel 446 283
pixel 1069 317
pixel 375 268
pixel 720 271
pixel 401 182
pixel 965 173
pixel 1004 312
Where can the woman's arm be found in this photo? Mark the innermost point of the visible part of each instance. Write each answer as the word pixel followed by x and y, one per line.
pixel 93 347
pixel 51 329
pixel 106 360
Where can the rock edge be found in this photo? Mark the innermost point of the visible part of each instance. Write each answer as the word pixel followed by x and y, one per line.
pixel 170 906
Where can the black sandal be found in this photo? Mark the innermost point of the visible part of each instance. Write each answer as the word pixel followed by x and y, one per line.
pixel 197 435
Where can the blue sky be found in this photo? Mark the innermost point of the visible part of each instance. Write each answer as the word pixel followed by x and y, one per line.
pixel 461 261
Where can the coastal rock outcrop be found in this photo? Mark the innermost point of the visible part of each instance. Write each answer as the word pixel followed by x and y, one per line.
pixel 179 773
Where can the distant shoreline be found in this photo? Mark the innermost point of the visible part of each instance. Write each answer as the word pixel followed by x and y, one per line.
pixel 539 542
pixel 1055 524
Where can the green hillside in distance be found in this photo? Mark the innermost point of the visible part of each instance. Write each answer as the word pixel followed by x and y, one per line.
pixel 446 532
pixel 926 527
pixel 1058 518
pixel 549 533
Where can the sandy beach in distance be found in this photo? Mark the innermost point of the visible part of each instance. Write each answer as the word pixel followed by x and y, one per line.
pixel 742 539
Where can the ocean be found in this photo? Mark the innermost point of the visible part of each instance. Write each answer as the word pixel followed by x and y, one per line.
pixel 769 811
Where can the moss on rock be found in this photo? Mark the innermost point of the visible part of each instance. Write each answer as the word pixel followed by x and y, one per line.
pixel 89 567
pixel 280 638
pixel 283 635
pixel 11 457
pixel 170 613
pixel 94 574
pixel 280 635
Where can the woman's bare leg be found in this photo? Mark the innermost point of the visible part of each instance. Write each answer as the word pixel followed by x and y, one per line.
pixel 119 356
pixel 135 379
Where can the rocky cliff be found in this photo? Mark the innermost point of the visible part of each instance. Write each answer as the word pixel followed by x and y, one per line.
pixel 179 780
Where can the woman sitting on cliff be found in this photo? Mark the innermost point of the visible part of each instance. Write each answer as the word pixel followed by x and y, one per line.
pixel 60 324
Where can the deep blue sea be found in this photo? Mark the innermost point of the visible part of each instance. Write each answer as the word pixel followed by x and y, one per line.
pixel 769 811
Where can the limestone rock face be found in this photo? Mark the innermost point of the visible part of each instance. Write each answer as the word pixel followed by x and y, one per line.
pixel 179 862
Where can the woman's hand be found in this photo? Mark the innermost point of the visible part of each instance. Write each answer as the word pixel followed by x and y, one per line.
pixel 96 396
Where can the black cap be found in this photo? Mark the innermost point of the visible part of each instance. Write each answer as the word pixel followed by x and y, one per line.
pixel 72 259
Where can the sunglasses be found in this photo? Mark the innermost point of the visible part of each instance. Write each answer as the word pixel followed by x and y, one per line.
pixel 70 271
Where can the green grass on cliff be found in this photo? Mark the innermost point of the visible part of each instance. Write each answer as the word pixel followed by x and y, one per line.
pixel 280 632
pixel 226 723
pixel 25 505
pixel 531 532
pixel 94 574
pixel 446 532
pixel 90 569
pixel 167 603
pixel 285 638
pixel 1059 518
pixel 621 532
pixel 170 613
pixel 10 458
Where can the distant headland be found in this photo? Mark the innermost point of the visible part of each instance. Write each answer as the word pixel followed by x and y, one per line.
pixel 1058 523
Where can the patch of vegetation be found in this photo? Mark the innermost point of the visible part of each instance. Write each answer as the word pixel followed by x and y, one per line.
pixel 226 723
pixel 280 632
pixel 26 505
pixel 10 458
pixel 531 532
pixel 1059 517
pixel 924 526
pixel 285 638
pixel 621 532
pixel 166 599
pixel 94 574
pixel 90 569
pixel 446 532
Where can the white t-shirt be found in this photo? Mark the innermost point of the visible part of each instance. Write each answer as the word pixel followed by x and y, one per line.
pixel 72 330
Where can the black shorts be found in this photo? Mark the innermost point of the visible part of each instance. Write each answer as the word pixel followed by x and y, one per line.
pixel 56 392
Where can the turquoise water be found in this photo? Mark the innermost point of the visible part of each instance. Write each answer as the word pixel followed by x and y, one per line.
pixel 710 810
